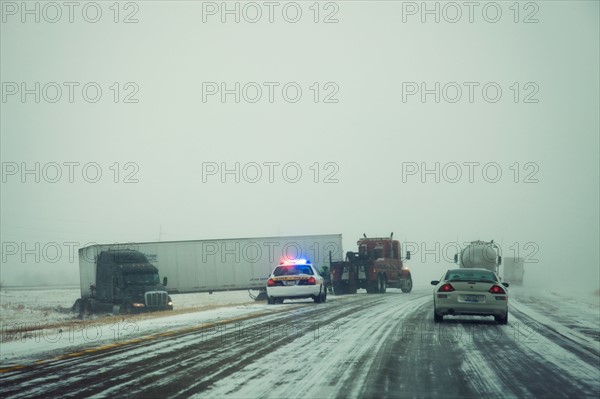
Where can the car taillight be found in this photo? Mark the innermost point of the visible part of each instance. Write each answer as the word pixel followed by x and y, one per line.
pixel 446 288
pixel 311 281
pixel 271 282
pixel 496 289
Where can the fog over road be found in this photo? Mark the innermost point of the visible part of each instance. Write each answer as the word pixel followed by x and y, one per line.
pixel 357 346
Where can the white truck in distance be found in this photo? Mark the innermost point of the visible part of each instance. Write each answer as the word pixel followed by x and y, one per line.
pixel 514 269
pixel 480 254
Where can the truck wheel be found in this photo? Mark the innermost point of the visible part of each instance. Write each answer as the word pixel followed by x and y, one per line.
pixel 351 288
pixel 382 284
pixel 338 289
pixel 76 308
pixel 321 298
pixel 88 309
pixel 79 307
pixel 270 300
pixel 407 287
pixel 126 308
pixel 372 288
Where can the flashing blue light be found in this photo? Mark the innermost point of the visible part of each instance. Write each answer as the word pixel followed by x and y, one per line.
pixel 295 262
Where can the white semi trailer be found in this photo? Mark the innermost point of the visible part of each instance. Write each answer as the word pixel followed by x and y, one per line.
pixel 190 266
pixel 514 270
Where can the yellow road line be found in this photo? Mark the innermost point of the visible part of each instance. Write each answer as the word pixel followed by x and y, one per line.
pixel 138 340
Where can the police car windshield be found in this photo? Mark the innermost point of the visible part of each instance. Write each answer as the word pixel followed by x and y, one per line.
pixel 292 270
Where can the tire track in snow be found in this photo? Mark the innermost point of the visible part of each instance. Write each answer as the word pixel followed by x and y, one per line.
pixel 587 348
pixel 287 356
pixel 334 368
pixel 419 361
pixel 362 346
pixel 181 364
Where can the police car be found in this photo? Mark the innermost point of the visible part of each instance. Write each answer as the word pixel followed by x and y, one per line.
pixel 295 280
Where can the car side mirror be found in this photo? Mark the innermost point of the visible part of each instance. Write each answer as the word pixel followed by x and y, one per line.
pixel 435 282
pixel 505 284
pixel 455 258
pixel 499 260
pixel 407 255
pixel 165 281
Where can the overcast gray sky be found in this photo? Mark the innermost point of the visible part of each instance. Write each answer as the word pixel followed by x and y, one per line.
pixel 370 96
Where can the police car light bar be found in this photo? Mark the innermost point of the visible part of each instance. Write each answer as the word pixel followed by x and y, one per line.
pixel 295 262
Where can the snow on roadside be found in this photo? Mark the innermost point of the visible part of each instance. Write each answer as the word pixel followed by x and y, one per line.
pixel 34 306
pixel 38 320
pixel 550 352
pixel 38 323
pixel 19 307
pixel 574 316
pixel 588 299
pixel 44 343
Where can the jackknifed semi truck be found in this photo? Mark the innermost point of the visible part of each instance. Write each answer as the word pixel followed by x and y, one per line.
pixel 125 277
pixel 118 280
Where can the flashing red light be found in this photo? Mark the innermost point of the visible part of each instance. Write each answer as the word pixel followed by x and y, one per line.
pixel 496 289
pixel 270 282
pixel 311 281
pixel 293 261
pixel 446 288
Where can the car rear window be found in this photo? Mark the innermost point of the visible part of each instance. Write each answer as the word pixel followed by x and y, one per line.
pixel 292 270
pixel 466 274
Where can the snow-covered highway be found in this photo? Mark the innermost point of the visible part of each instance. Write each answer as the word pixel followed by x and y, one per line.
pixel 352 346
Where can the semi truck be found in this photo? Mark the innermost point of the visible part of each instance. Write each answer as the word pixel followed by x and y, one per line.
pixel 514 269
pixel 199 265
pixel 376 266
pixel 480 254
pixel 119 281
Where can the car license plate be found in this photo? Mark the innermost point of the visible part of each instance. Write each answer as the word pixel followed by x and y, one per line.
pixel 472 298
pixel 290 282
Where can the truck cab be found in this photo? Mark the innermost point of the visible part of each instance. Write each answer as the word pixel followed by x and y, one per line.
pixel 376 266
pixel 127 281
pixel 378 248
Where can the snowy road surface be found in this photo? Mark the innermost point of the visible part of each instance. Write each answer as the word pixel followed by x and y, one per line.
pixel 363 346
